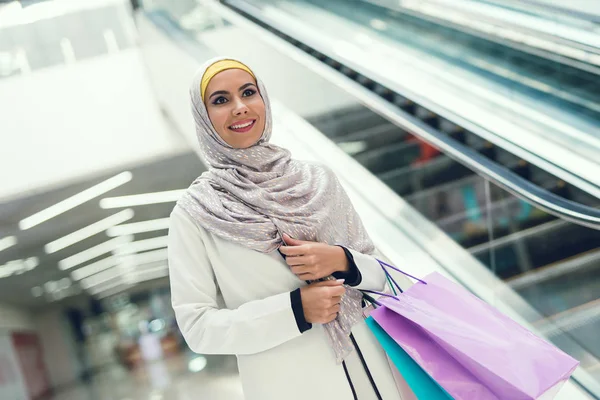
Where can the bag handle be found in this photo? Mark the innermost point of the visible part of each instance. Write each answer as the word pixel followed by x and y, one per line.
pixel 380 294
pixel 371 300
pixel 391 281
pixel 384 265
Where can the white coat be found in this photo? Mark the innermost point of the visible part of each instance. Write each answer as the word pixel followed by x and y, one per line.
pixel 229 299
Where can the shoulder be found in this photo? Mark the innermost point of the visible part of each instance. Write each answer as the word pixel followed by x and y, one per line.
pixel 185 235
pixel 330 176
pixel 317 167
pixel 181 221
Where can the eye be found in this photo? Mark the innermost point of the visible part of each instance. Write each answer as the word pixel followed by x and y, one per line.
pixel 248 92
pixel 219 100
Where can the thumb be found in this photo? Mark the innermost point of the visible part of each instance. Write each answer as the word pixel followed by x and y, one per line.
pixel 331 282
pixel 291 242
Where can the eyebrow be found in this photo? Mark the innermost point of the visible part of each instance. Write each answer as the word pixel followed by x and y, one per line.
pixel 244 86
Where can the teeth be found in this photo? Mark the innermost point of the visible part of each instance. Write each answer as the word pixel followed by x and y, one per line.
pixel 242 126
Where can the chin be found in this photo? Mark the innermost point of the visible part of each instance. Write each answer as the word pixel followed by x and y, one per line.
pixel 248 140
pixel 248 144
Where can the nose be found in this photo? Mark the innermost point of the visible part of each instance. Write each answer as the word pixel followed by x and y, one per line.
pixel 240 108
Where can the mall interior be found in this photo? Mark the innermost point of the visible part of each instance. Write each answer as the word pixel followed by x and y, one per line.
pixel 465 132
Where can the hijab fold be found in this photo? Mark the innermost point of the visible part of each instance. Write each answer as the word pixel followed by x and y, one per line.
pixel 252 196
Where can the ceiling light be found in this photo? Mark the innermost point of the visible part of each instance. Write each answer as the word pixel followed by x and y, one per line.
pixel 146 274
pixel 197 364
pixel 94 268
pixel 103 276
pixel 17 267
pixel 127 279
pixel 106 269
pixel 142 245
pixel 93 252
pixel 107 285
pixel 116 289
pixel 88 231
pixel 142 199
pixel 7 242
pixel 139 227
pixel 153 274
pixel 75 200
pixel 143 274
pixel 51 287
pixel 146 258
pixel 64 283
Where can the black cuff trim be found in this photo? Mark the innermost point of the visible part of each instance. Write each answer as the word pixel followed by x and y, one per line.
pixel 301 322
pixel 353 277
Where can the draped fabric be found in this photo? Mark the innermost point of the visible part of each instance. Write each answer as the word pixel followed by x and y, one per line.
pixel 252 196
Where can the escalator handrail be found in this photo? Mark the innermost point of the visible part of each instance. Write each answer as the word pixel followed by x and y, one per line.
pixel 541 43
pixel 578 213
pixel 551 8
pixel 483 17
pixel 575 212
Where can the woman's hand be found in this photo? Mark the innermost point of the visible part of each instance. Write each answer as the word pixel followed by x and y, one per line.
pixel 321 300
pixel 313 260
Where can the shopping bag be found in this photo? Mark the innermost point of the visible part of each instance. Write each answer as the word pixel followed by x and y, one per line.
pixel 406 393
pixel 421 385
pixel 425 353
pixel 468 347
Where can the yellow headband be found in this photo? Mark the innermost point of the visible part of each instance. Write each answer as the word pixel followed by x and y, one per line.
pixel 217 67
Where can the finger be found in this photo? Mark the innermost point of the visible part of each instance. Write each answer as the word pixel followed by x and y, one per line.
pixel 331 317
pixel 337 291
pixel 336 299
pixel 291 241
pixel 297 260
pixel 301 270
pixel 331 282
pixel 306 275
pixel 293 250
pixel 334 309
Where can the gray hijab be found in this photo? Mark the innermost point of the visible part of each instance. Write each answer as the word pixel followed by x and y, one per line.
pixel 252 196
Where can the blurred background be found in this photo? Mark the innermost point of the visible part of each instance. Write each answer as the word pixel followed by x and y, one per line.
pixel 466 132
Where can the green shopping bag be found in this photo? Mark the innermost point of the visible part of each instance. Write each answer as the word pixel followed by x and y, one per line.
pixel 423 386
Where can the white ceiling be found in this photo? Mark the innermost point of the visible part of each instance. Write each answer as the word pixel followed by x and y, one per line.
pixel 162 175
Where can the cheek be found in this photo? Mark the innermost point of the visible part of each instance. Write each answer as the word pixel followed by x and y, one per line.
pixel 259 108
pixel 218 118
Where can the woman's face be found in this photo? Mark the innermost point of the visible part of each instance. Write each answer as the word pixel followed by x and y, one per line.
pixel 235 108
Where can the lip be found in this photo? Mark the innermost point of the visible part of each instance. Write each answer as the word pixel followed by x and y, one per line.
pixel 246 129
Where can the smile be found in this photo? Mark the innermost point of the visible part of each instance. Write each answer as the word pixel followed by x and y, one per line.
pixel 243 126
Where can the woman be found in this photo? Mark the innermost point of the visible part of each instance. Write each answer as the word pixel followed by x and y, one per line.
pixel 259 247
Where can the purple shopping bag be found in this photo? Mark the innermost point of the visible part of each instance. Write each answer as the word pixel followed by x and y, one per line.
pixel 470 348
pixel 403 388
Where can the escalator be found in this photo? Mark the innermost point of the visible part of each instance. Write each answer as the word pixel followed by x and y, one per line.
pixel 525 241
pixel 427 62
pixel 516 71
pixel 453 197
pixel 555 30
pixel 535 228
